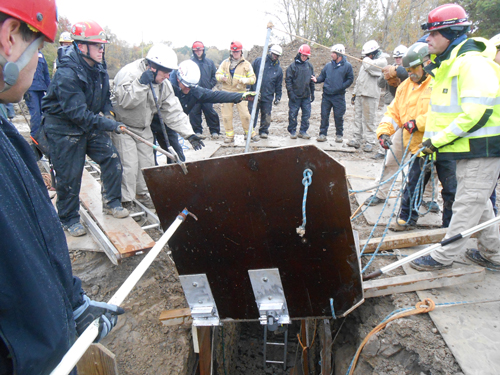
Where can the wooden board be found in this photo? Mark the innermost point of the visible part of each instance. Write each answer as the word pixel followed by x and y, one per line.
pixel 125 234
pixel 404 240
pixel 279 142
pixel 97 360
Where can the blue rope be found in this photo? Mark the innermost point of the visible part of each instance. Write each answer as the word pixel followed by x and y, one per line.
pixel 306 181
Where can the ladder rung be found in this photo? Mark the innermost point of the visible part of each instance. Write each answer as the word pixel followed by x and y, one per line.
pixel 150 226
pixel 274 362
pixel 135 214
pixel 275 343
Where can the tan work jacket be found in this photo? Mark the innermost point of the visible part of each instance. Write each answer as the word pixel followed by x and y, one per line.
pixel 243 70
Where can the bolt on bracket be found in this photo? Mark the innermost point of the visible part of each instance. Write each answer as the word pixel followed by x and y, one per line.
pixel 200 299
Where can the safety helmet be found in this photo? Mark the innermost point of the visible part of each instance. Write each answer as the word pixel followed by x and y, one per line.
pixel 163 56
pixel 65 37
pixel 236 46
pixel 446 16
pixel 369 47
pixel 39 15
pixel 198 46
pixel 276 49
pixel 305 50
pixel 496 40
pixel 417 54
pixel 188 73
pixel 399 51
pixel 88 32
pixel 338 49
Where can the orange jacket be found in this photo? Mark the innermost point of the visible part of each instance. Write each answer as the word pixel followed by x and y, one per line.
pixel 410 103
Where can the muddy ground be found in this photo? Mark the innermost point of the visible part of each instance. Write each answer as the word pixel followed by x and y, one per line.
pixel 142 345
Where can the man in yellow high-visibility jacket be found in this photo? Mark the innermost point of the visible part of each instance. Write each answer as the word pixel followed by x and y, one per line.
pixel 463 125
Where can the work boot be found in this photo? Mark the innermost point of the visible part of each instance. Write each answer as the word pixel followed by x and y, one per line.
pixel 199 135
pixel 255 138
pixel 368 147
pixel 402 225
pixel 118 212
pixel 215 136
pixel 304 135
pixel 476 257
pixel 427 263
pixel 75 230
pixel 431 206
pixel 228 139
pixel 264 135
pixel 321 138
pixel 145 199
pixel 373 200
pixel 353 143
pixel 339 139
pixel 293 135
pixel 378 156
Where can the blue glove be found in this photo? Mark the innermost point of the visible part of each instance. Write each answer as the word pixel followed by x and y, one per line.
pixel 90 311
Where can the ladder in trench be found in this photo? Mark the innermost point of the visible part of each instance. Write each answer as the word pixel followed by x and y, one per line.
pixel 284 344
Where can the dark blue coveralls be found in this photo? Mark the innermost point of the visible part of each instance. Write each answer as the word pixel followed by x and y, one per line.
pixel 33 97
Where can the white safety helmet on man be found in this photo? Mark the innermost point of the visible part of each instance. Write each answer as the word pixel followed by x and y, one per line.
pixel 369 47
pixel 188 73
pixel 276 49
pixel 65 37
pixel 496 41
pixel 399 51
pixel 338 49
pixel 163 56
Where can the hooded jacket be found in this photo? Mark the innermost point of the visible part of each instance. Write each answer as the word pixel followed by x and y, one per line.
pixel 77 95
pixel 134 104
pixel 366 84
pixel 298 79
pixel 207 71
pixel 272 80
pixel 337 77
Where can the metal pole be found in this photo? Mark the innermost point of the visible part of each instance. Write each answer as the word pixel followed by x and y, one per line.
pixel 259 83
pixel 431 248
pixel 81 345
pixel 155 147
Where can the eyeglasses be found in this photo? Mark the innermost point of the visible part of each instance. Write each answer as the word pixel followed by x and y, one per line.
pixel 99 46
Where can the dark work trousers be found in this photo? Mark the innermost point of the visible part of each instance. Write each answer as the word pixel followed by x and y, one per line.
pixel 265 109
pixel 446 170
pixel 33 100
pixel 173 139
pixel 337 103
pixel 211 117
pixel 294 105
pixel 67 154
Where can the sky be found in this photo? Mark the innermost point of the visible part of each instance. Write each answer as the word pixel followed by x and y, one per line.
pixel 215 23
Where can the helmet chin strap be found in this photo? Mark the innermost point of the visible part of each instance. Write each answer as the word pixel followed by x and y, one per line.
pixel 11 69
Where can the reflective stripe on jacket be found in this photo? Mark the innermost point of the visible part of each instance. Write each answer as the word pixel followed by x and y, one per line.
pixel 464 115
pixel 410 103
pixel 243 70
pixel 366 83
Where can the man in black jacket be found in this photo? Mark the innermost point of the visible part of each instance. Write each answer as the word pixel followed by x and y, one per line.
pixel 42 305
pixel 207 81
pixel 270 89
pixel 338 76
pixel 300 89
pixel 77 95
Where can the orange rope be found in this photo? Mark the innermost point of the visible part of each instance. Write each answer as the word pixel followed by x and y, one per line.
pixel 421 307
pixel 304 348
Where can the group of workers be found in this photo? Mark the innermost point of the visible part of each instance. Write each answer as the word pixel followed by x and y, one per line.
pixel 42 305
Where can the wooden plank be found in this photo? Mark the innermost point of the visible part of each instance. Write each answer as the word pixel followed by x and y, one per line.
pixel 125 234
pixel 408 239
pixel 205 363
pixel 97 360
pixel 303 339
pixel 176 317
pixel 326 348
pixel 423 280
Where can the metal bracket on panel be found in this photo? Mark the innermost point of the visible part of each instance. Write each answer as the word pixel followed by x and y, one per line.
pixel 200 299
pixel 269 296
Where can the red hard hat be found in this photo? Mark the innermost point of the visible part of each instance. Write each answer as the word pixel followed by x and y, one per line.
pixel 38 14
pixel 88 31
pixel 236 46
pixel 198 45
pixel 445 16
pixel 305 50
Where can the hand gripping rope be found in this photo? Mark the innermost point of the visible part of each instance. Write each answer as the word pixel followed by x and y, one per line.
pixel 306 181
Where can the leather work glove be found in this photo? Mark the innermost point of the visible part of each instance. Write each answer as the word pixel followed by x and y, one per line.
pixel 147 77
pixel 249 96
pixel 353 99
pixel 276 101
pixel 385 141
pixel 119 126
pixel 429 147
pixel 411 126
pixel 312 98
pixel 90 311
pixel 245 81
pixel 390 75
pixel 196 142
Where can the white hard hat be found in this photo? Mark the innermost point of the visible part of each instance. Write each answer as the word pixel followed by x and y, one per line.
pixel 163 55
pixel 496 40
pixel 369 47
pixel 399 51
pixel 188 73
pixel 276 49
pixel 65 37
pixel 338 48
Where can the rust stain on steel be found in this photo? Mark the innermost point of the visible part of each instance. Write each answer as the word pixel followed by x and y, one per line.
pixel 249 207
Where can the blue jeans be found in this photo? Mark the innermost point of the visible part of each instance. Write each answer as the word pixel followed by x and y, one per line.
pixel 294 105
pixel 337 103
pixel 446 170
pixel 173 139
pixel 265 109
